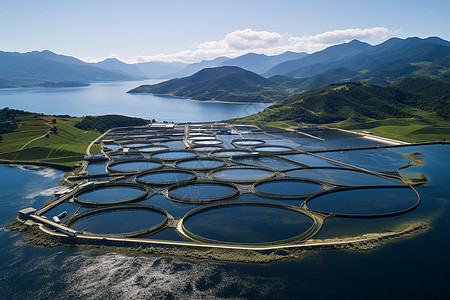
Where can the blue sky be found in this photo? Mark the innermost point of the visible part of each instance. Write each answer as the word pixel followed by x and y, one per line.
pixel 135 30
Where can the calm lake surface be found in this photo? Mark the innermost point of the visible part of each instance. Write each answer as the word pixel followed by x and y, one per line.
pixel 111 98
pixel 413 268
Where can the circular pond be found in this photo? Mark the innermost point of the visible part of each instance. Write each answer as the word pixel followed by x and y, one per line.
pixel 166 177
pixel 207 148
pixel 365 201
pixel 134 165
pixel 200 136
pixel 153 148
pixel 287 188
pixel 202 192
pixel 128 155
pixel 248 223
pixel 342 177
pixel 158 139
pixel 228 153
pixel 174 155
pixel 207 142
pixel 200 164
pixel 272 148
pixel 135 144
pixel 241 174
pixel 110 194
pixel 248 142
pixel 123 221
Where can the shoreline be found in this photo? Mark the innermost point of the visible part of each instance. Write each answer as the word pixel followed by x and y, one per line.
pixel 38 235
pixel 207 101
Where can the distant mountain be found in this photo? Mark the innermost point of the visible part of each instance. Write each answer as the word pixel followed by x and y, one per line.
pixel 325 56
pixel 160 69
pixel 34 68
pixel 115 65
pixel 361 103
pixel 195 67
pixel 298 85
pixel 232 84
pixel 260 63
pixel 382 64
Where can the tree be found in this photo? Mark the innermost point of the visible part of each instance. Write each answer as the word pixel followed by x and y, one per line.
pixel 54 121
pixel 55 130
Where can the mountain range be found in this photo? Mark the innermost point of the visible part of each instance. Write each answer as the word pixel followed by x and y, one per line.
pixel 383 64
pixel 289 73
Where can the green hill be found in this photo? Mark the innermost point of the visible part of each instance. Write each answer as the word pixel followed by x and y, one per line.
pixel 58 141
pixel 229 83
pixel 411 104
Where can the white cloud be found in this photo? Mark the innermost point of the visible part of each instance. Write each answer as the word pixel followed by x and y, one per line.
pixel 247 40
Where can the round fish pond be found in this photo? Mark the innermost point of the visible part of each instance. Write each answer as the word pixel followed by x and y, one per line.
pixel 166 177
pixel 212 142
pixel 174 155
pixel 200 164
pixel 136 144
pixel 365 201
pixel 247 142
pixel 131 166
pixel 123 221
pixel 241 174
pixel 248 223
pixel 202 192
pixel 110 194
pixel 342 177
pixel 207 148
pixel 153 148
pixel 228 153
pixel 287 188
pixel 272 149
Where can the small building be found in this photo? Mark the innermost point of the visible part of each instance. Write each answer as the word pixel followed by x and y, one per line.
pixel 25 213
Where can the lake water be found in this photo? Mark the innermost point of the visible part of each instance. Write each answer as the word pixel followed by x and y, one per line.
pixel 111 98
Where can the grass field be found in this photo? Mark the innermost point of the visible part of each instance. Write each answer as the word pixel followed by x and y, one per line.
pixel 33 141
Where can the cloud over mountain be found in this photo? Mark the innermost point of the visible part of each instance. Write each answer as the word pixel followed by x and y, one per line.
pixel 239 42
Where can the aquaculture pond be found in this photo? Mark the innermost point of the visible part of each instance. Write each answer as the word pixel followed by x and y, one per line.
pixel 248 224
pixel 120 221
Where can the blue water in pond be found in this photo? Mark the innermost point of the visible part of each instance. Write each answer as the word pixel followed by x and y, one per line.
pixel 266 161
pixel 242 174
pixel 380 160
pixel 116 222
pixel 268 148
pixel 63 207
pixel 133 145
pixel 229 153
pixel 167 177
pixel 109 194
pixel 174 155
pixel 287 187
pixel 200 164
pixel 96 167
pixel 153 148
pixel 248 224
pixel 203 191
pixel 135 166
pixel 343 177
pixel 365 201
pixel 311 160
